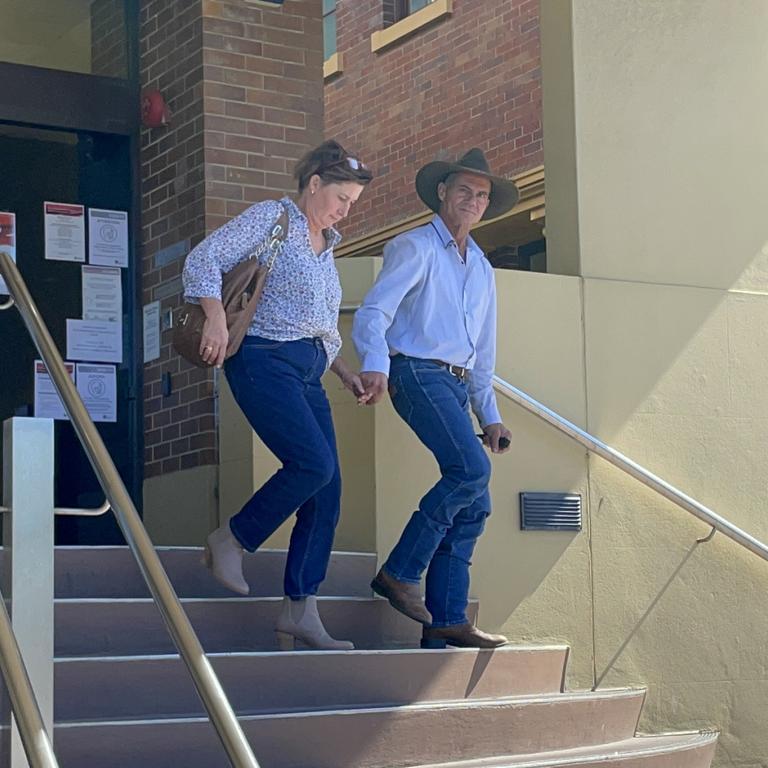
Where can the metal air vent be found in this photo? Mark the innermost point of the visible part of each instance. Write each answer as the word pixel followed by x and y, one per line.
pixel 550 511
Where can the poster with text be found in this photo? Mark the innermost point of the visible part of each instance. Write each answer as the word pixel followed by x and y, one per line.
pixel 102 293
pixel 64 232
pixel 7 241
pixel 108 237
pixel 97 385
pixel 48 404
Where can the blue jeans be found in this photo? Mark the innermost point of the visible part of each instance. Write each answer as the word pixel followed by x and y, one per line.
pixel 277 386
pixel 440 536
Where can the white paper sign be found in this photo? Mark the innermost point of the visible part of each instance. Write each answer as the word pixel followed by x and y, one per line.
pixel 7 240
pixel 95 340
pixel 64 232
pixel 151 331
pixel 97 385
pixel 102 293
pixel 108 237
pixel 48 404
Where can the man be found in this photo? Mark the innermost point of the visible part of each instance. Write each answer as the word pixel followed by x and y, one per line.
pixel 427 332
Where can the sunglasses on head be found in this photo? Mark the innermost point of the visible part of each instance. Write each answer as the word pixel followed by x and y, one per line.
pixel 352 162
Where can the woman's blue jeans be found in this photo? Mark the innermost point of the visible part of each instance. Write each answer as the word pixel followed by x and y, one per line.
pixel 277 386
pixel 440 536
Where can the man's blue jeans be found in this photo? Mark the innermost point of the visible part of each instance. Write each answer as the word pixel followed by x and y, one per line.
pixel 277 386
pixel 440 536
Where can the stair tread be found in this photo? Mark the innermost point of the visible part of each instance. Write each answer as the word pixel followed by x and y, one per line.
pixel 495 703
pixel 638 746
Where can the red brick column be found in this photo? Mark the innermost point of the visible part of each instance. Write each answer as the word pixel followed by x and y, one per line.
pixel 244 85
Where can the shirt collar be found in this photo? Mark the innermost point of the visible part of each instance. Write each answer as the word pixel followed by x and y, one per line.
pixel 446 238
pixel 332 235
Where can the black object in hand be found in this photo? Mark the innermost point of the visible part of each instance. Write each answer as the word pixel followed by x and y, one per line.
pixel 503 441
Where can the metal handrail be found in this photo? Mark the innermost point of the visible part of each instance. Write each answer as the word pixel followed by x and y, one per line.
pixel 178 624
pixel 83 512
pixel 34 738
pixel 626 464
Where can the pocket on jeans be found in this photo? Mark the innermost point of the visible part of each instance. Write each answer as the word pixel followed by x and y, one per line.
pixel 399 398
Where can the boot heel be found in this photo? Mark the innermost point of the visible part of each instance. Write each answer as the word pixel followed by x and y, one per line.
pixel 285 642
pixel 433 644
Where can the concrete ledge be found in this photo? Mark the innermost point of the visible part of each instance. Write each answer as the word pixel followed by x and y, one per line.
pixel 435 11
pixel 333 66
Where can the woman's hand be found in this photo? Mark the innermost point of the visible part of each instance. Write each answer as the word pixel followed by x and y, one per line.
pixel 350 380
pixel 213 344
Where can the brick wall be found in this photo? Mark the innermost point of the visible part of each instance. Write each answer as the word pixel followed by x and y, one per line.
pixel 471 79
pixel 244 85
pixel 109 49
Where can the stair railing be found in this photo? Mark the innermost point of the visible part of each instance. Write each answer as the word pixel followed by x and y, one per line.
pixel 207 683
pixel 34 737
pixel 625 464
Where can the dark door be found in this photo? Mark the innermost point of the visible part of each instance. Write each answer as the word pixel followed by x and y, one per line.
pixel 94 170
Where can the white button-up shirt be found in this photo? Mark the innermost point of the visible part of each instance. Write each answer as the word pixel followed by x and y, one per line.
pixel 427 302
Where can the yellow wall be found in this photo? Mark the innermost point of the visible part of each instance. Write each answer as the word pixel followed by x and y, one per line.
pixel 661 185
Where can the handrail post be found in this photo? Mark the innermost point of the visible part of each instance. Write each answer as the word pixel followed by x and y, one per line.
pixel 28 577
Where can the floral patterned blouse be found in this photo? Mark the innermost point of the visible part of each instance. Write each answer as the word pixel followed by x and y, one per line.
pixel 302 294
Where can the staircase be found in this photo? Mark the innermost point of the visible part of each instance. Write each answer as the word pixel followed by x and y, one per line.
pixel 125 700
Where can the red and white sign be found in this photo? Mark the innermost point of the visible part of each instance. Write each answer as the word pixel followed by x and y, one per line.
pixel 64 232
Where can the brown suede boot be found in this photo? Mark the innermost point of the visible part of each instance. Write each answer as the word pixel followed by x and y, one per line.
pixel 402 596
pixel 460 636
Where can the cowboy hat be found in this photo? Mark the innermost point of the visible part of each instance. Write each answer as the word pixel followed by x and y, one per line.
pixel 504 193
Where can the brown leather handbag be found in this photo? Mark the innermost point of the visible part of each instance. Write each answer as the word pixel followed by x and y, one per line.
pixel 241 290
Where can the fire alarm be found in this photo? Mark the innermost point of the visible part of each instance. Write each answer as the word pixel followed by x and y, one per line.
pixel 154 110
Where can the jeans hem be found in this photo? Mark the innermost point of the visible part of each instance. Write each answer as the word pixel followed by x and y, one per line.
pixel 443 624
pixel 247 547
pixel 397 577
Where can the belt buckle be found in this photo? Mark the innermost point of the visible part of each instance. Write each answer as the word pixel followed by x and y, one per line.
pixel 457 371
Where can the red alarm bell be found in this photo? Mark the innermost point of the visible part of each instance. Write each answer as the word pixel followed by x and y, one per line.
pixel 154 110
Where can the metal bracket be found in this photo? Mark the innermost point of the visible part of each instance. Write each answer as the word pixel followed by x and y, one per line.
pixel 708 537
pixel 74 511
pixel 8 304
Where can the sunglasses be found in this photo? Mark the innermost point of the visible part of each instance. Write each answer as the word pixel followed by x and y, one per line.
pixel 352 162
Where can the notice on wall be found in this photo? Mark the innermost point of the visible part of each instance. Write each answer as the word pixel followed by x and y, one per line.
pixel 64 232
pixel 108 237
pixel 7 241
pixel 97 385
pixel 151 331
pixel 95 340
pixel 48 404
pixel 102 293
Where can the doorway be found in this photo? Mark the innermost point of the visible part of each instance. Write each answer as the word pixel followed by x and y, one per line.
pixel 93 170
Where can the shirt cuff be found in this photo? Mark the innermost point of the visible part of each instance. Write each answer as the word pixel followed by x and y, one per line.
pixel 489 415
pixel 375 363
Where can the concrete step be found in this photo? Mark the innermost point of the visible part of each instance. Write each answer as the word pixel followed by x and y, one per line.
pixel 99 627
pixel 112 572
pixel 258 683
pixel 383 737
pixel 677 750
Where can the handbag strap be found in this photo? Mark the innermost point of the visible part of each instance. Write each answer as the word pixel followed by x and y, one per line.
pixel 275 240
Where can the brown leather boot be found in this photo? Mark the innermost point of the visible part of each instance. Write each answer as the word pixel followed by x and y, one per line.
pixel 402 596
pixel 460 636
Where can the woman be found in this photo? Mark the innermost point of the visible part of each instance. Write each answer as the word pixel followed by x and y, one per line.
pixel 275 378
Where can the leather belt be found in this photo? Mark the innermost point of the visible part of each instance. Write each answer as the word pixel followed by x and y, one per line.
pixel 456 370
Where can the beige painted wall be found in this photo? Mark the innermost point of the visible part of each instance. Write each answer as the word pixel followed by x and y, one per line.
pixel 181 509
pixel 669 154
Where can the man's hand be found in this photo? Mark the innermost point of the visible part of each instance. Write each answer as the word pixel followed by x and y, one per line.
pixel 493 434
pixel 375 384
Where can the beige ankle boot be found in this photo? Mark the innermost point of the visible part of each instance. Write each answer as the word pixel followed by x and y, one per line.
pixel 299 620
pixel 224 556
